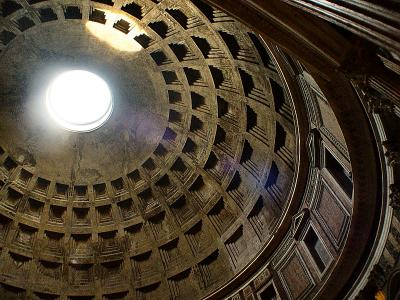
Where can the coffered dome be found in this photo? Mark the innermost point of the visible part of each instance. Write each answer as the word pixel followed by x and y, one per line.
pixel 180 188
pixel 219 165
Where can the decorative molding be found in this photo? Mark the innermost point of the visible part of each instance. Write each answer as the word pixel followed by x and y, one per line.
pixel 299 222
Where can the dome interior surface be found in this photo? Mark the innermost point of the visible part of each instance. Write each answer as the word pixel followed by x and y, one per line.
pixel 188 181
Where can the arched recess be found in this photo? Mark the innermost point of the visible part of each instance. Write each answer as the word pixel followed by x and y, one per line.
pixel 327 54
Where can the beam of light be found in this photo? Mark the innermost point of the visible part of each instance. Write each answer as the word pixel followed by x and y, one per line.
pixel 113 37
pixel 79 100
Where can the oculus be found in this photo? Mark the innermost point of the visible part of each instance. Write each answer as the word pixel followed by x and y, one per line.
pixel 79 101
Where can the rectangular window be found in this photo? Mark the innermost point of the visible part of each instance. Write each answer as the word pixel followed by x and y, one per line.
pixel 269 293
pixel 316 249
pixel 341 176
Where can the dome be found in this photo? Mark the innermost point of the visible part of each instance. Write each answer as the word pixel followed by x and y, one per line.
pixel 183 150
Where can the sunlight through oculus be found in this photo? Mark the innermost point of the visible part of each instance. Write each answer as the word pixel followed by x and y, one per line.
pixel 79 100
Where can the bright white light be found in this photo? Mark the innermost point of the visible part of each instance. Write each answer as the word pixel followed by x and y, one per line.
pixel 79 100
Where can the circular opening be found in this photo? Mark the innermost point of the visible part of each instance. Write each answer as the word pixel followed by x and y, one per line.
pixel 79 100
